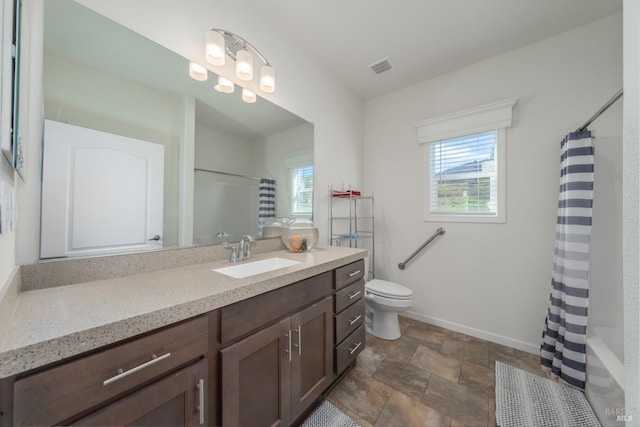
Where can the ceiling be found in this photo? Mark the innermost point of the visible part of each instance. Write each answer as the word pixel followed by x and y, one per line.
pixel 422 38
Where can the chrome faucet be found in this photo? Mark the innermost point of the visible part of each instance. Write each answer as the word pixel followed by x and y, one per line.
pixel 243 251
pixel 245 246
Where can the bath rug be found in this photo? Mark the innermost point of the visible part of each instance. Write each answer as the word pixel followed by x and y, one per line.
pixel 527 400
pixel 327 415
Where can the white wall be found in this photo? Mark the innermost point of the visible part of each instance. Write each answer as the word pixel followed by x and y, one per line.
pixel 631 208
pixel 489 280
pixel 219 151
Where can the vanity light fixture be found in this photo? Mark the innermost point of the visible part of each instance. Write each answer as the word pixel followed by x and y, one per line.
pixel 224 85
pixel 197 72
pixel 222 43
pixel 248 96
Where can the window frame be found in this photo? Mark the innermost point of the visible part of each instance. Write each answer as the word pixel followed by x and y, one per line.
pixel 298 160
pixel 496 117
pixel 498 217
pixel 296 169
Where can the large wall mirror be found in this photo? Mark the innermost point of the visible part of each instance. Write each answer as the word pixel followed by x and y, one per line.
pixel 102 77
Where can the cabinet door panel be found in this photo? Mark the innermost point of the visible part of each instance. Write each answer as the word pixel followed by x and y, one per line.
pixel 256 375
pixel 173 400
pixel 312 361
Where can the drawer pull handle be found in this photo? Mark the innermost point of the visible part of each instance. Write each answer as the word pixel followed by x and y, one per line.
pixel 122 374
pixel 355 294
pixel 355 319
pixel 353 350
pixel 354 273
pixel 201 400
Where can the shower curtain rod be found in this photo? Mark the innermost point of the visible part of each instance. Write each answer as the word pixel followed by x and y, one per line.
pixel 228 173
pixel 602 109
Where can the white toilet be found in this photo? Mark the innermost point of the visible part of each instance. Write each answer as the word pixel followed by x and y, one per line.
pixel 383 301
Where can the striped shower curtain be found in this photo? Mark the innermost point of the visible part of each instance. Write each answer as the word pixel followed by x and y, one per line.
pixel 563 349
pixel 266 202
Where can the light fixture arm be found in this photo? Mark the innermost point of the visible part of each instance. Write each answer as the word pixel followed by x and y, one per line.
pixel 232 39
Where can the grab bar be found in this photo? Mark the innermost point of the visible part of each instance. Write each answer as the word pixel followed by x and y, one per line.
pixel 438 232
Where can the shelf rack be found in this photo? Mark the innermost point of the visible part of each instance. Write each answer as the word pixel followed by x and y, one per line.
pixel 352 224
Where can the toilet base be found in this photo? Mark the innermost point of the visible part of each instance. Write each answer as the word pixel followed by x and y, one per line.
pixel 383 324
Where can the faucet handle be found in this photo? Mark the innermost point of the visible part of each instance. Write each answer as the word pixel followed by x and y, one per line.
pixel 234 253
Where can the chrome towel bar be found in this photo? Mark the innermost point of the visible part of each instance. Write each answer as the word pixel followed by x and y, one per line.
pixel 438 232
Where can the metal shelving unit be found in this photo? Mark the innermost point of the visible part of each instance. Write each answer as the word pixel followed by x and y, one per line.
pixel 352 224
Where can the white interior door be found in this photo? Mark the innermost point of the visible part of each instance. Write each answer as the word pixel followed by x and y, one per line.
pixel 101 193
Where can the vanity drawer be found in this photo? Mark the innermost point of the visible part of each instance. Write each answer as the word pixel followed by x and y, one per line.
pixel 53 396
pixel 241 318
pixel 349 273
pixel 347 296
pixel 349 349
pixel 349 320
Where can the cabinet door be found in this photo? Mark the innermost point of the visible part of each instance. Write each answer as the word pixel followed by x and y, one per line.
pixel 176 400
pixel 256 374
pixel 312 360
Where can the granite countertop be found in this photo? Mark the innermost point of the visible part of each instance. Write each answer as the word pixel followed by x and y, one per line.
pixel 51 324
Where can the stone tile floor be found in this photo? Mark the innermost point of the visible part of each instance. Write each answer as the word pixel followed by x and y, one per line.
pixel 429 377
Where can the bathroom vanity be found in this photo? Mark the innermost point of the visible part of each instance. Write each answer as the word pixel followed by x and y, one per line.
pixel 200 348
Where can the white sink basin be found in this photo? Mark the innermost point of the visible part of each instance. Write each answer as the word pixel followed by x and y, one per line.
pixel 240 271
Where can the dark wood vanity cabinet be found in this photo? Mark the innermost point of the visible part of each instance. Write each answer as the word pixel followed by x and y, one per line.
pixel 266 360
pixel 275 374
pixel 160 376
pixel 176 400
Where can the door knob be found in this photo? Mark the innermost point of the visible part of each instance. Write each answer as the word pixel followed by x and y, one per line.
pixel 156 237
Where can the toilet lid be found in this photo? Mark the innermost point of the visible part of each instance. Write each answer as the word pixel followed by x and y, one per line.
pixel 387 289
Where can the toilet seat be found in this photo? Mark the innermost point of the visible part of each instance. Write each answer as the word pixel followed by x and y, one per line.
pixel 386 289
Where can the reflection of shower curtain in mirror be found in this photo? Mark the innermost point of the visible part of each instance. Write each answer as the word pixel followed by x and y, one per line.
pixel 224 203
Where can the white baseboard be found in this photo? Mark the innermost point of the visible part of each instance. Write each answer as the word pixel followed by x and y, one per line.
pixel 478 333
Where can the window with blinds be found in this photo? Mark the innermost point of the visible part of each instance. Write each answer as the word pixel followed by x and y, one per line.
pixel 464 163
pixel 302 190
pixel 463 175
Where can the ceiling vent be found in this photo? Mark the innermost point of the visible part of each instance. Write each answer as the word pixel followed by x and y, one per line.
pixel 381 66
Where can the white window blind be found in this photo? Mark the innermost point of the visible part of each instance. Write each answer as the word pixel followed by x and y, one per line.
pixel 302 190
pixel 463 175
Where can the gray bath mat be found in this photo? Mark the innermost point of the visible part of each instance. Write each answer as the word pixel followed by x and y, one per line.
pixel 525 399
pixel 327 415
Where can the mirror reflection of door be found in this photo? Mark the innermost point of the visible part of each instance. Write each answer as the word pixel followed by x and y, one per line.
pixel 101 192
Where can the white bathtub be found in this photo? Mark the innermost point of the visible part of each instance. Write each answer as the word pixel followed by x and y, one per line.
pixel 605 379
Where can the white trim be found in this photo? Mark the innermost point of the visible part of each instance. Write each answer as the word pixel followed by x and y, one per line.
pixel 478 333
pixel 474 120
pixel 298 159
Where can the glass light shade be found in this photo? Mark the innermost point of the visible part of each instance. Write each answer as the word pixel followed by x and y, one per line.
pixel 197 72
pixel 267 79
pixel 214 48
pixel 224 85
pixel 248 96
pixel 244 65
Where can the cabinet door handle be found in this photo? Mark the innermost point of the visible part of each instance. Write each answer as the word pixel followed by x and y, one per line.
pixel 355 319
pixel 354 273
pixel 353 350
pixel 355 294
pixel 288 336
pixel 154 359
pixel 200 387
pixel 298 331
